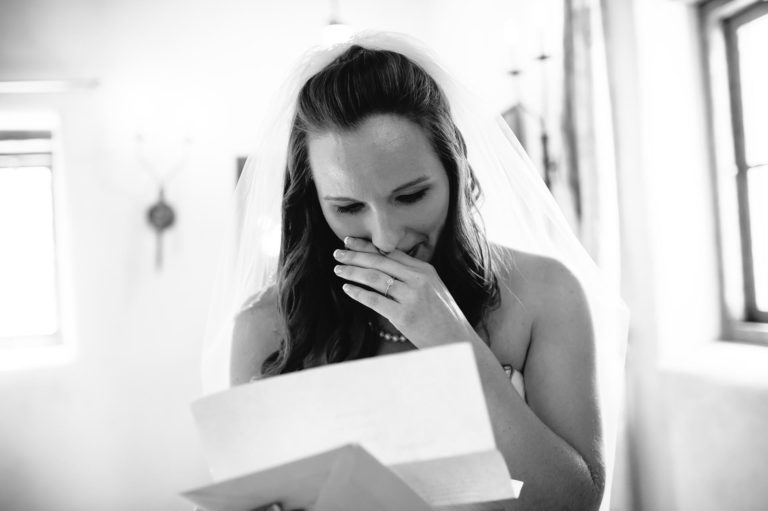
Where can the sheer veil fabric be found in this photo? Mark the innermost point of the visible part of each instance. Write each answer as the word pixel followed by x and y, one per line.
pixel 516 209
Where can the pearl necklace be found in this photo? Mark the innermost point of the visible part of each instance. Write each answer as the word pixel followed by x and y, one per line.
pixel 386 335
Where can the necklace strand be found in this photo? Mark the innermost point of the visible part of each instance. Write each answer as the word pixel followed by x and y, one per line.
pixel 386 335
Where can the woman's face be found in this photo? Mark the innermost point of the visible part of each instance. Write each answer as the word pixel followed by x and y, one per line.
pixel 382 182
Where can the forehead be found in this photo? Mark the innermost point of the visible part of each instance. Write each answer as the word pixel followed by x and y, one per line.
pixel 384 152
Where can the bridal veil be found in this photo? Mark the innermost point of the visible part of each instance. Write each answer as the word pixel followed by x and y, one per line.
pixel 516 209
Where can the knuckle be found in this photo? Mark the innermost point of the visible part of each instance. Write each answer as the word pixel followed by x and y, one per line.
pixel 372 278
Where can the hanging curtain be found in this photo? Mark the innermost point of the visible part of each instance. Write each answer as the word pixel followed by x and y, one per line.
pixel 588 148
pixel 589 163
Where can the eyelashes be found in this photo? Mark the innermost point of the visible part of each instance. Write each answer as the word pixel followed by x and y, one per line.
pixel 413 197
pixel 410 198
pixel 351 208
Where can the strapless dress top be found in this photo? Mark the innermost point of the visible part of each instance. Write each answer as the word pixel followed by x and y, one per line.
pixel 516 379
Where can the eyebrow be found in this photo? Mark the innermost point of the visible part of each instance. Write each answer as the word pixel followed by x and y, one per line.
pixel 409 184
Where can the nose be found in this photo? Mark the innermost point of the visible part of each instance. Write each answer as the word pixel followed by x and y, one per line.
pixel 385 231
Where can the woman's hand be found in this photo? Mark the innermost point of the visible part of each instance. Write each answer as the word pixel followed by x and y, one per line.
pixel 406 291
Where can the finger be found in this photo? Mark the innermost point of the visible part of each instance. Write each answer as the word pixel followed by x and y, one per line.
pixel 374 279
pixel 361 245
pixel 364 245
pixel 403 258
pixel 275 506
pixel 374 301
pixel 374 261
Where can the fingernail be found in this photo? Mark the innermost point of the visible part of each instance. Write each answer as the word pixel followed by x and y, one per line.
pixel 347 241
pixel 337 269
pixel 339 254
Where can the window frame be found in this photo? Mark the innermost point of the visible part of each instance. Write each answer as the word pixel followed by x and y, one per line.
pixel 57 348
pixel 719 19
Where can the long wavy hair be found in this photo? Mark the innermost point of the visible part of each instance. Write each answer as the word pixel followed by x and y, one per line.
pixel 321 324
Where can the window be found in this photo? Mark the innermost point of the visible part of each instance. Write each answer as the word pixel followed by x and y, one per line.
pixel 736 37
pixel 30 290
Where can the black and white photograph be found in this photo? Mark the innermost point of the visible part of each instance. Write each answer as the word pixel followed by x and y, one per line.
pixel 356 255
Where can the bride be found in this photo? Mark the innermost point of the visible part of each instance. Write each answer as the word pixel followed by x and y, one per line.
pixel 408 219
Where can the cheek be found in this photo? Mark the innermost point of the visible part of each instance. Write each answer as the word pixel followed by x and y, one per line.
pixel 438 211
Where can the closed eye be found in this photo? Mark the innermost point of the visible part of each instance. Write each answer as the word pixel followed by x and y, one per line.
pixel 355 207
pixel 349 208
pixel 413 197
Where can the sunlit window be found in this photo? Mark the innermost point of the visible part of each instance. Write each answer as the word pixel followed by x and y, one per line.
pixel 28 281
pixel 747 49
pixel 736 42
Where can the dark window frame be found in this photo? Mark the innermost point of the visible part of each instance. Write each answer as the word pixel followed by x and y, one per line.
pixel 731 26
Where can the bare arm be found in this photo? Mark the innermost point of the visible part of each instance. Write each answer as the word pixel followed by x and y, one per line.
pixel 255 337
pixel 552 443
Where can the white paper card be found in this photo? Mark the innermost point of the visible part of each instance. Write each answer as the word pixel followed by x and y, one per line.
pixel 344 479
pixel 421 413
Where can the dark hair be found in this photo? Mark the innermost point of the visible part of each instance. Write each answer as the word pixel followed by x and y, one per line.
pixel 321 324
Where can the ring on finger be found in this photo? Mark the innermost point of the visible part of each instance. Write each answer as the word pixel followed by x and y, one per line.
pixel 390 281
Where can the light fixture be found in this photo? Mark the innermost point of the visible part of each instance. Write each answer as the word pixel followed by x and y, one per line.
pixel 335 32
pixel 45 86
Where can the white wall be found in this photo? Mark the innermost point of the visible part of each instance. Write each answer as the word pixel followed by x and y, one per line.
pixel 698 412
pixel 112 429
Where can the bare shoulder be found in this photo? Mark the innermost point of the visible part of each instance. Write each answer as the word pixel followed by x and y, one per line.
pixel 535 293
pixel 256 336
pixel 541 280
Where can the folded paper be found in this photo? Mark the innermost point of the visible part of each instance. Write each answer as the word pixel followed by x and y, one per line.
pixel 344 479
pixel 422 414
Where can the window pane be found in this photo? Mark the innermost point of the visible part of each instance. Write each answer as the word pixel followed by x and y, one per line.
pixel 27 259
pixel 753 63
pixel 758 216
